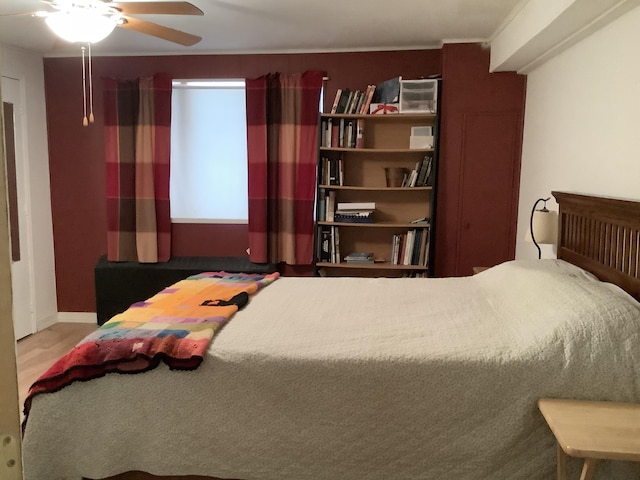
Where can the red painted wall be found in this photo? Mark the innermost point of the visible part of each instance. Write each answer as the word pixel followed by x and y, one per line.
pixel 76 153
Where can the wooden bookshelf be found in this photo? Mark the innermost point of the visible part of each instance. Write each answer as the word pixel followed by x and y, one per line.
pixel 353 171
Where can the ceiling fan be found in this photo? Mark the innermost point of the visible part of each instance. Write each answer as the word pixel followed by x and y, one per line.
pixel 89 21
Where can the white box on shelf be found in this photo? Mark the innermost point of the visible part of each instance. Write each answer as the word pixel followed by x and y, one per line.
pixel 418 96
pixel 421 137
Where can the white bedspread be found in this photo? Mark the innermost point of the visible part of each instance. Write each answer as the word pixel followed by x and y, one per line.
pixel 361 379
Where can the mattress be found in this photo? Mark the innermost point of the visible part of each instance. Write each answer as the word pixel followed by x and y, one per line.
pixel 361 378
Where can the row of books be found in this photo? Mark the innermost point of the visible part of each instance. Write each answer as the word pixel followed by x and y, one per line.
pixel 421 174
pixel 329 245
pixel 411 248
pixel 329 249
pixel 326 205
pixel 353 101
pixel 342 133
pixel 331 171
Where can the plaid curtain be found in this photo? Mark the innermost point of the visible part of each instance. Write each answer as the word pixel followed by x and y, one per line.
pixel 137 147
pixel 282 144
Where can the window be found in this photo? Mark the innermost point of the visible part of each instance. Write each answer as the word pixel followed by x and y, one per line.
pixel 208 152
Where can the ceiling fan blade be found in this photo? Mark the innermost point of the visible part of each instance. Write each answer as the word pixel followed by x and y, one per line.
pixel 157 8
pixel 166 33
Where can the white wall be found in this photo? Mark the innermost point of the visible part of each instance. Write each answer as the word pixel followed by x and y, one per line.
pixel 28 67
pixel 582 123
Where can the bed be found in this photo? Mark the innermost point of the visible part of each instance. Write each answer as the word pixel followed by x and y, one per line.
pixel 374 378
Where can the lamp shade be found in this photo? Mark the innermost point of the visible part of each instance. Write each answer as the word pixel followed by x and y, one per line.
pixel 81 26
pixel 545 226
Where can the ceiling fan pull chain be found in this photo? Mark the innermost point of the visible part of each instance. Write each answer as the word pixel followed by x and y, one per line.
pixel 85 122
pixel 90 87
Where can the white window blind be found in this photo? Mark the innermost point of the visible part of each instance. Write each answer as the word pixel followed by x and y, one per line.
pixel 208 182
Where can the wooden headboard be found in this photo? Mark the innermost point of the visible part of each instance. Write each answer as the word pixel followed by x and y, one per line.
pixel 602 236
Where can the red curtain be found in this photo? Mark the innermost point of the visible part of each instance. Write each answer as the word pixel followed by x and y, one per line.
pixel 282 144
pixel 137 149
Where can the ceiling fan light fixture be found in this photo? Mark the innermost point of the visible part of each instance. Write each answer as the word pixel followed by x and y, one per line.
pixel 81 26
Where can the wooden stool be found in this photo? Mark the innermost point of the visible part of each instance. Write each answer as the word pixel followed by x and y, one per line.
pixel 593 431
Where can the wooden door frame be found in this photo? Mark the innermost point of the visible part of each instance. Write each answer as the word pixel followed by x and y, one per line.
pixel 10 433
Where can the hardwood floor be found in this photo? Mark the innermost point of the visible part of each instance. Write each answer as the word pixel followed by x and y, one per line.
pixel 37 352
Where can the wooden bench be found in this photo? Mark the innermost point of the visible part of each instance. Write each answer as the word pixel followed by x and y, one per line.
pixel 592 431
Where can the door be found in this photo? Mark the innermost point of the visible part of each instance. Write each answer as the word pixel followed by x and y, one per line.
pixel 19 208
pixel 11 466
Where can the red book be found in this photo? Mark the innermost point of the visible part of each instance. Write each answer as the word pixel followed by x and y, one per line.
pixel 335 135
pixel 367 102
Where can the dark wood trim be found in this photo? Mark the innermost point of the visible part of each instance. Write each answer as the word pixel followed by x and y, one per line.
pixel 601 235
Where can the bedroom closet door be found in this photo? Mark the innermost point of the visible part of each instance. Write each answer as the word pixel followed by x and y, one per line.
pixel 19 209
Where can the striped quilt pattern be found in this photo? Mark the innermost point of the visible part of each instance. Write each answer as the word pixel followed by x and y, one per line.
pixel 175 326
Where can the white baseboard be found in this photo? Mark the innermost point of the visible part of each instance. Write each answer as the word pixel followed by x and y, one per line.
pixel 78 317
pixel 46 322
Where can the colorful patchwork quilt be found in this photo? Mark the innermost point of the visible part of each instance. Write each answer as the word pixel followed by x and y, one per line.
pixel 174 326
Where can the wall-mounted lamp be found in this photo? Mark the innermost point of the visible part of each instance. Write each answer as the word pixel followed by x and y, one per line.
pixel 542 225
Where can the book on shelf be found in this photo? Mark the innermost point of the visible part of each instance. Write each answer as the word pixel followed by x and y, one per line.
pixel 335 245
pixel 359 133
pixel 354 213
pixel 425 171
pixel 323 132
pixel 388 91
pixel 324 245
pixel 332 171
pixel 403 246
pixel 335 134
pixel 422 171
pixel 341 133
pixel 336 100
pixel 415 251
pixel 423 254
pixel 322 205
pixel 360 257
pixel 420 175
pixel 352 98
pixel 328 129
pixel 342 102
pixel 330 209
pixel 328 248
pixel 408 249
pixel 356 102
pixel 356 205
pixel 410 180
pixel 361 217
pixel 411 248
pixel 367 101
pixel 350 135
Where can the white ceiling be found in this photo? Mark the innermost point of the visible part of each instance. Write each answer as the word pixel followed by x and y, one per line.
pixel 243 26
